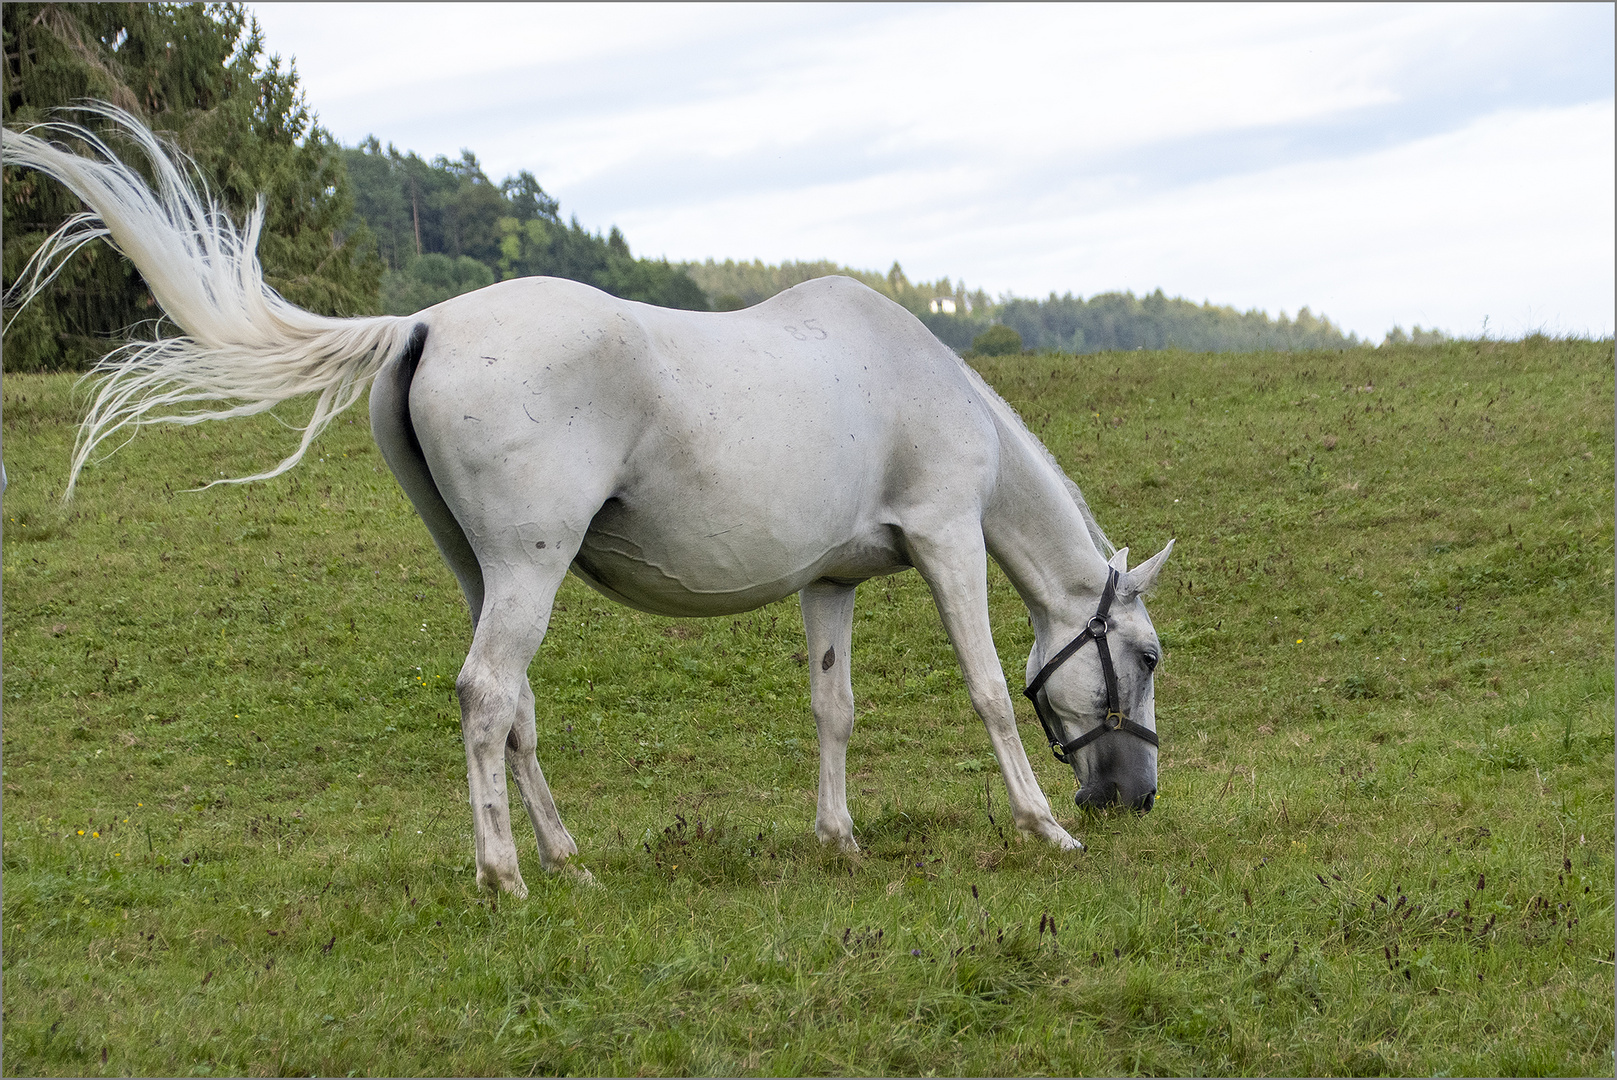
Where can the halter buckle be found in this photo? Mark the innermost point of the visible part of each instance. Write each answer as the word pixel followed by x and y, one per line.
pixel 1097 626
pixel 1114 721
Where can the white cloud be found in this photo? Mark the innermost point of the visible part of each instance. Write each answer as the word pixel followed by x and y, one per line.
pixel 1402 164
pixel 1443 231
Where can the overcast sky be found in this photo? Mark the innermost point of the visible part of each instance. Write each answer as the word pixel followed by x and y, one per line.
pixel 1391 164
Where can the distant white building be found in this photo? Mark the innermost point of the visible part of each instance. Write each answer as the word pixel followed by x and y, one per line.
pixel 942 305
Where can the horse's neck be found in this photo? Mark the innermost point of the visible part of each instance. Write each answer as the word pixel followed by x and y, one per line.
pixel 1037 534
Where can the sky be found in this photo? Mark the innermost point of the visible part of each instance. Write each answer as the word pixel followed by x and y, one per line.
pixel 1447 165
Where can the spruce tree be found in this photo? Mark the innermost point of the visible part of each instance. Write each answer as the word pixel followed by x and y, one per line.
pixel 436 221
pixel 198 75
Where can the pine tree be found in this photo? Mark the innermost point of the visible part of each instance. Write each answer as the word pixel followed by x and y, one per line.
pixel 436 222
pixel 197 74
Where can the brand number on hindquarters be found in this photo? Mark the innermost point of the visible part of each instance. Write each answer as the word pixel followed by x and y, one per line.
pixel 809 331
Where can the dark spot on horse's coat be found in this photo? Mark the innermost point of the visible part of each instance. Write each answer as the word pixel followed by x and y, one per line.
pixel 540 545
pixel 828 659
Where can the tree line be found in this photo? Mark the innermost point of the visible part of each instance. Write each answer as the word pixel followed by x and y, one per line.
pixel 370 229
pixel 1121 321
pixel 1105 322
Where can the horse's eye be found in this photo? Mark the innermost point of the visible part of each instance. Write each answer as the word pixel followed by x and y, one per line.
pixel 1151 661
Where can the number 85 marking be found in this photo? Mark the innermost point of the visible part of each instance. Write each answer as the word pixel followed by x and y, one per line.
pixel 815 331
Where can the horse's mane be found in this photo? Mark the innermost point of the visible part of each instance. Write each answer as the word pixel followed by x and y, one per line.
pixel 1009 416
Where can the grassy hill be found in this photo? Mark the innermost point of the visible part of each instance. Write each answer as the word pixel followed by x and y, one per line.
pixel 236 837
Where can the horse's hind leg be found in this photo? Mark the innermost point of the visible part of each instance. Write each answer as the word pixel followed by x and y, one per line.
pixel 828 624
pixel 555 842
pixel 497 719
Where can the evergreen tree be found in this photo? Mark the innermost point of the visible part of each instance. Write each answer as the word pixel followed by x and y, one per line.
pixel 433 219
pixel 196 74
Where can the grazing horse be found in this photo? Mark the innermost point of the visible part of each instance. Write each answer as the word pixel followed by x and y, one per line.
pixel 682 463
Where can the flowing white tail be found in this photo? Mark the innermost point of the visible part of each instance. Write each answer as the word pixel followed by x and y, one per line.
pixel 242 343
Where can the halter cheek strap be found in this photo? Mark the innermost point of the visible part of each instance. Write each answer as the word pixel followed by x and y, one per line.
pixel 1115 719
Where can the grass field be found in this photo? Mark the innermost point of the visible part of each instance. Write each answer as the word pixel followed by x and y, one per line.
pixel 236 837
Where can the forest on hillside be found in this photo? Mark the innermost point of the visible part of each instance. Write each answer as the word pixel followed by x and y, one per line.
pixel 1112 321
pixel 1104 322
pixel 442 228
pixel 370 228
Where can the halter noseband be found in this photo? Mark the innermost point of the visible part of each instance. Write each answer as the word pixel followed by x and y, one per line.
pixel 1115 719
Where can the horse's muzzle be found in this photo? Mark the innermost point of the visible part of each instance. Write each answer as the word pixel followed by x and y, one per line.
pixel 1100 795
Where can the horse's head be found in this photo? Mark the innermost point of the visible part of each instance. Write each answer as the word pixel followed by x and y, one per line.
pixel 1091 684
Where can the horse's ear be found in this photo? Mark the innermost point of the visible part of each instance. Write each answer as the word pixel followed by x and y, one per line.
pixel 1144 577
pixel 1120 561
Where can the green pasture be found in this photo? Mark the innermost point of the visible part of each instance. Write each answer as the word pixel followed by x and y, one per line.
pixel 236 838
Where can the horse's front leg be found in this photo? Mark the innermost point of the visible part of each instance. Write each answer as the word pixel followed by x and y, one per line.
pixel 828 625
pixel 954 563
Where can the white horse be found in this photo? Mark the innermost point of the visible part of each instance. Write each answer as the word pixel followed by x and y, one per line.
pixel 682 463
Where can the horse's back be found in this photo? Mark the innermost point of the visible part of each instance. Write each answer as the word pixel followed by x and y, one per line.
pixel 725 459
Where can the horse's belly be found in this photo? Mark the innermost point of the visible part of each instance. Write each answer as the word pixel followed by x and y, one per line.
pixel 702 565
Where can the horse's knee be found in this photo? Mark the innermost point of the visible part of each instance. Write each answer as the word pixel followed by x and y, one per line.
pixel 993 705
pixel 835 726
pixel 833 712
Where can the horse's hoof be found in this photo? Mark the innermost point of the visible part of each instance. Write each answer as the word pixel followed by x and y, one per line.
pixel 1061 838
pixel 580 876
pixel 836 832
pixel 511 883
pixel 844 842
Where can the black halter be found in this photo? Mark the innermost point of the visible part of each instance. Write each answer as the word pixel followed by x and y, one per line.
pixel 1115 719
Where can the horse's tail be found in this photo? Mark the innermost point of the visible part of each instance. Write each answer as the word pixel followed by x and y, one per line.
pixel 241 342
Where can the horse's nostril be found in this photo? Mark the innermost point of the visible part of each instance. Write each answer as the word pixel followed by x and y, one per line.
pixel 1098 795
pixel 1147 801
